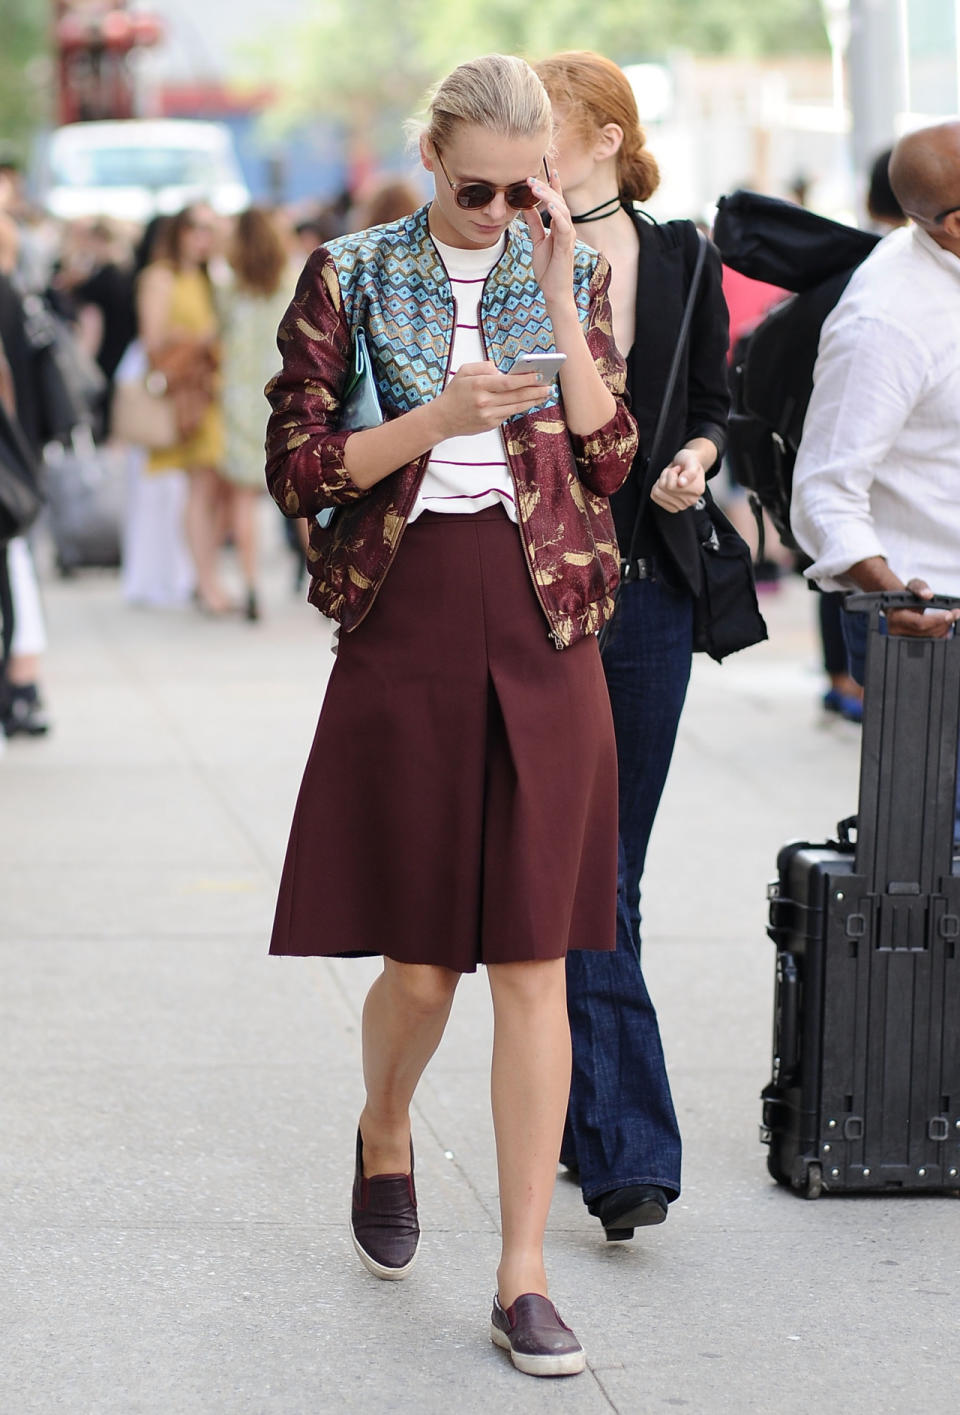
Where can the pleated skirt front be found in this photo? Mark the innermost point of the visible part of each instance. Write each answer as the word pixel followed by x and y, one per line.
pixel 459 805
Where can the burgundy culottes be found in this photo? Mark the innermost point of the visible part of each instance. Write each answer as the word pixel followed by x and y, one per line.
pixel 459 805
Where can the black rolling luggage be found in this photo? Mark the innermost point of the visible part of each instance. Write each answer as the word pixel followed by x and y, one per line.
pixel 865 1092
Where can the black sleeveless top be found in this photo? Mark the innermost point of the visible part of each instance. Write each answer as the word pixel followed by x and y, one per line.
pixel 701 402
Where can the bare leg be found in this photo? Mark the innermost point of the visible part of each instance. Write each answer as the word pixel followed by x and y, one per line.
pixel 202 532
pixel 530 1086
pixel 243 508
pixel 403 1020
pixel 23 669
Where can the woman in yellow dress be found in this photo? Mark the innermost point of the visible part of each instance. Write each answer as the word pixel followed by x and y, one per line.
pixel 178 328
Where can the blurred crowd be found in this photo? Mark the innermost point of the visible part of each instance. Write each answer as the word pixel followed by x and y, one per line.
pixel 133 362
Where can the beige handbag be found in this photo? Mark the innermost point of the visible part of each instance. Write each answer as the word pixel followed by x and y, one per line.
pixel 143 415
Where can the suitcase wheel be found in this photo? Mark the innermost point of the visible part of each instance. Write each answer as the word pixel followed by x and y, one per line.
pixel 811 1186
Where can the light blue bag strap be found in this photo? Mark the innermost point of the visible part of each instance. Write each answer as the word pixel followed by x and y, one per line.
pixel 363 384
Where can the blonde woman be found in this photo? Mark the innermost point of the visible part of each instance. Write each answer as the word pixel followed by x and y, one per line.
pixel 462 779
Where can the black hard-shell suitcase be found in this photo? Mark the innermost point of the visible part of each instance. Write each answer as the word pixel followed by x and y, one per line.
pixel 865 1092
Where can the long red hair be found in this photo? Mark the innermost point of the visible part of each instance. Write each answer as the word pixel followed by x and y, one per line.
pixel 592 91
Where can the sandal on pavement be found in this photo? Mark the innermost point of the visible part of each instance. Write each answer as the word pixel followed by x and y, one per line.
pixel 383 1220
pixel 540 1344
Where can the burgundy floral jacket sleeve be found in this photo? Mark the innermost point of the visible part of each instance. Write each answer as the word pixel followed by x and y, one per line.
pixel 600 457
pixel 305 467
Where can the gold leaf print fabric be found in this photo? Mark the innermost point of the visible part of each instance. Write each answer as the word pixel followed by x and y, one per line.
pixel 390 281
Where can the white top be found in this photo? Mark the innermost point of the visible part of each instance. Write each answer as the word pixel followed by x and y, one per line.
pixel 467 473
pixel 878 471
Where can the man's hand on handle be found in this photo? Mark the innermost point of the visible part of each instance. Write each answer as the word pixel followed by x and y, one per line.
pixel 874 574
pixel 918 623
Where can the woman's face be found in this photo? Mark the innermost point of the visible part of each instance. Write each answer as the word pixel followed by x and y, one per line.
pixel 198 235
pixel 575 155
pixel 475 154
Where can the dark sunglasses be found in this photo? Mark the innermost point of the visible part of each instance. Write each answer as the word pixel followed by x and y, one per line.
pixel 942 215
pixel 519 196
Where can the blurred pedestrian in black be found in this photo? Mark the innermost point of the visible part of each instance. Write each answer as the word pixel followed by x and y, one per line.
pixel 104 302
pixel 22 710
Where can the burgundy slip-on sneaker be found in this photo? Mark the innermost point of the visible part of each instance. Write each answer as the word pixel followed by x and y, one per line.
pixel 540 1344
pixel 383 1220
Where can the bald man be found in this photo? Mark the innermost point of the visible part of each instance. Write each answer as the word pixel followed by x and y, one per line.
pixel 876 494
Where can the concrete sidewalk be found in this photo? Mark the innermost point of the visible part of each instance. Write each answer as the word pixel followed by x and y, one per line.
pixel 178 1110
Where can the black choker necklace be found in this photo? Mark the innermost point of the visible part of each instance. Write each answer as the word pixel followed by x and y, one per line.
pixel 597 213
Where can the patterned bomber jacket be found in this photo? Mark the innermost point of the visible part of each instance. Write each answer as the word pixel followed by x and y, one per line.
pixel 391 282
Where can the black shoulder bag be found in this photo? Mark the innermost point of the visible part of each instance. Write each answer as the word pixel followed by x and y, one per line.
pixel 726 616
pixel 20 498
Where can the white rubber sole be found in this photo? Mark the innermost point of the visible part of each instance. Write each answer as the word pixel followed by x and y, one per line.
pixel 570 1364
pixel 378 1270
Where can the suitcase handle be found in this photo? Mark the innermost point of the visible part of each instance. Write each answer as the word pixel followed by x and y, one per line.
pixel 788 1018
pixel 883 600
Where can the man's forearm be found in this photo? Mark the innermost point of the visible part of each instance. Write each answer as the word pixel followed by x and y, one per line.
pixel 874 574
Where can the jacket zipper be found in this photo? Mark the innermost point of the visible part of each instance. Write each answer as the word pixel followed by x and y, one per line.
pixel 552 634
pixel 424 460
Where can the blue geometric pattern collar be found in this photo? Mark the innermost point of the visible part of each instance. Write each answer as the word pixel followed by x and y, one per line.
pixel 393 283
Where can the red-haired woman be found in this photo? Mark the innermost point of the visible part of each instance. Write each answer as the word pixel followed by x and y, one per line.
pixel 621 1130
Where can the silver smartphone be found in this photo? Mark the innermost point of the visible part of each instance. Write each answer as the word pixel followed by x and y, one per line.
pixel 545 366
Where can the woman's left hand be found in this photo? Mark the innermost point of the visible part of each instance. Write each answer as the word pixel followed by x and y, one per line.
pixel 553 248
pixel 680 485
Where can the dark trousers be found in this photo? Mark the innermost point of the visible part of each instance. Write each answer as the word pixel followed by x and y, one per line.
pixel 830 606
pixel 621 1124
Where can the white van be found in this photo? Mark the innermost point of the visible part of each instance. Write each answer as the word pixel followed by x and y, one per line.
pixel 136 168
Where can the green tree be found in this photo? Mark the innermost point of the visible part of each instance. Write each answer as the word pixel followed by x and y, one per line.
pixel 23 44
pixel 369 62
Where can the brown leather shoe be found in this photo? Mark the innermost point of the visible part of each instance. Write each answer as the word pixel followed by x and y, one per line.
pixel 383 1220
pixel 540 1344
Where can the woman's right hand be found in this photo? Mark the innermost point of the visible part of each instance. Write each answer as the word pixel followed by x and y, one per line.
pixel 478 397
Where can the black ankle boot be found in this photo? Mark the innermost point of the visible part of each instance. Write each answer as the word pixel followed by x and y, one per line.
pixel 23 711
pixel 622 1210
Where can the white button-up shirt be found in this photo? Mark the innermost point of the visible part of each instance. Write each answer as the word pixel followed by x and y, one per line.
pixel 878 471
